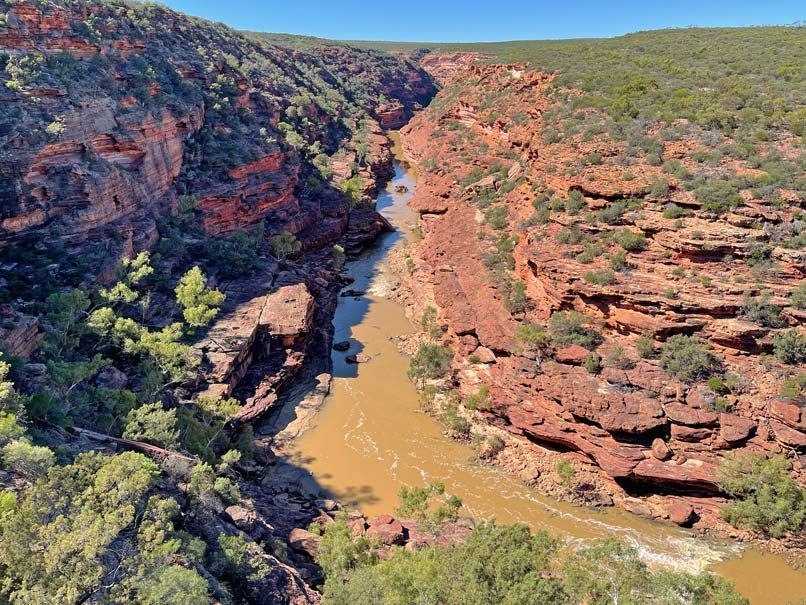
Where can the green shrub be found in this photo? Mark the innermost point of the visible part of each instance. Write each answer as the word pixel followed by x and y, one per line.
pixel 631 241
pixel 236 255
pixel 575 202
pixel 618 359
pixel 764 496
pixel 30 461
pixel 74 517
pixel 10 429
pixel 760 310
pixel 543 214
pixel 659 188
pixel 152 423
pixel 590 253
pixel 515 301
pixel 718 196
pixel 496 217
pixel 495 445
pixel 173 584
pixel 687 358
pixel 428 504
pixel 606 571
pixel 496 564
pixel 618 260
pixel 430 322
pixel 285 245
pixel 798 297
pixel 479 400
pixel 789 347
pixel 8 502
pixel 611 214
pixel 594 158
pixel 339 553
pixel 457 424
pixel 568 327
pixel 673 211
pixel 507 565
pixel 431 362
pixel 722 405
pixel 793 387
pixel 717 385
pixel 565 470
pixel 200 304
pixel 532 335
pixel 569 236
pixel 645 347
pixel 600 278
pixel 593 363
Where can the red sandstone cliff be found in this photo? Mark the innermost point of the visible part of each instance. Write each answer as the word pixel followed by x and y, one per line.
pixel 109 125
pixel 646 432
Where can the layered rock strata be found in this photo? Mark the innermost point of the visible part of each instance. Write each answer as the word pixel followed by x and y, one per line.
pixel 547 395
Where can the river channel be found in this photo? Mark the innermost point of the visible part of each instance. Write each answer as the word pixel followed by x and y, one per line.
pixel 370 437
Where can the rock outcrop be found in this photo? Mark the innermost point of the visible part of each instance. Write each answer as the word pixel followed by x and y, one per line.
pixel 490 266
pixel 126 128
pixel 137 124
pixel 20 333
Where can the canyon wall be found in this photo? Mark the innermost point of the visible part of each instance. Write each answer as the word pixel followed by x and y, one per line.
pixel 127 127
pixel 497 260
pixel 108 121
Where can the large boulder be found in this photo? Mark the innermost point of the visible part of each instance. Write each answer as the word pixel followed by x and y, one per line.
pixel 690 434
pixel 387 529
pixel 734 428
pixel 683 414
pixel 681 513
pixel 111 378
pixel 288 312
pixel 305 542
pixel 787 435
pixel 572 355
pixel 660 450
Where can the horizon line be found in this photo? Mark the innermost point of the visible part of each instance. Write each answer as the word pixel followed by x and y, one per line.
pixel 801 23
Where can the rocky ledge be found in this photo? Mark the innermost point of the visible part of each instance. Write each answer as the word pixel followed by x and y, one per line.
pixel 647 441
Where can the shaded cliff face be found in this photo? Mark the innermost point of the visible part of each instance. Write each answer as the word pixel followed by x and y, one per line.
pixel 523 228
pixel 111 112
pixel 127 126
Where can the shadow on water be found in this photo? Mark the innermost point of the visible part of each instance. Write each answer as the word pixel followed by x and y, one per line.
pixel 350 311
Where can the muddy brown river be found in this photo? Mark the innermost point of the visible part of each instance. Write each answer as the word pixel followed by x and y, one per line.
pixel 370 437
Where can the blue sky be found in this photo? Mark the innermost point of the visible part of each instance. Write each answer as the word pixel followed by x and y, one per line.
pixel 486 20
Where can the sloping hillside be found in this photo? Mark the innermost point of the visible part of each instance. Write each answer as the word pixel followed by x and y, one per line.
pixel 614 245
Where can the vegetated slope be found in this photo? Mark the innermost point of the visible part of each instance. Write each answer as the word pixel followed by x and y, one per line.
pixel 114 110
pixel 213 184
pixel 507 564
pixel 615 246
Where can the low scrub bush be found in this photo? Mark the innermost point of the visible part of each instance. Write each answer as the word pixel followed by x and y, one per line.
pixel 431 362
pixel 568 327
pixel 687 358
pixel 760 310
pixel 631 241
pixel 600 278
pixel 789 347
pixel 798 297
pixel 645 347
pixel 764 496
